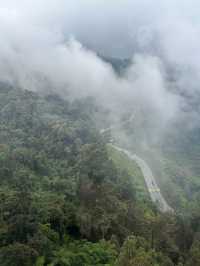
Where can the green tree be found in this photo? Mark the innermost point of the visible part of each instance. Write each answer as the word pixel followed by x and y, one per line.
pixel 17 255
pixel 194 254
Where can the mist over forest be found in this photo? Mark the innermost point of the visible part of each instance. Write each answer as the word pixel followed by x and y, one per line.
pixel 99 133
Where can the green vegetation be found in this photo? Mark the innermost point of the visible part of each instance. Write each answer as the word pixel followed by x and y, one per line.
pixel 173 157
pixel 123 163
pixel 184 182
pixel 66 199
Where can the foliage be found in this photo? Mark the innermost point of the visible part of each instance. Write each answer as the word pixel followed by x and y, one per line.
pixel 67 199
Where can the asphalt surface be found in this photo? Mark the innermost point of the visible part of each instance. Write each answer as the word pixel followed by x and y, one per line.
pixel 150 181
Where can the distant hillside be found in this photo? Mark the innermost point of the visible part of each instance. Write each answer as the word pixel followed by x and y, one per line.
pixel 118 64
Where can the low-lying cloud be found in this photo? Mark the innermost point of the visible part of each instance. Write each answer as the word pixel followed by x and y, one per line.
pixel 53 45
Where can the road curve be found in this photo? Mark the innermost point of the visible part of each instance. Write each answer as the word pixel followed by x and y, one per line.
pixel 150 181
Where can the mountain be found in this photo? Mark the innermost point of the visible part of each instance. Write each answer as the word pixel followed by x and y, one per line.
pixel 67 198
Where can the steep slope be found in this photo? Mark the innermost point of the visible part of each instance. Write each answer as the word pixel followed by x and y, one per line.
pixel 57 181
pixel 150 181
pixel 66 198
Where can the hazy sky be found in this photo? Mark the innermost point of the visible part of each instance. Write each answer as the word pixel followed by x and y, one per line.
pixel 115 27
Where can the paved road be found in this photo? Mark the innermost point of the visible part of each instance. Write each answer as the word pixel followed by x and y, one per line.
pixel 150 181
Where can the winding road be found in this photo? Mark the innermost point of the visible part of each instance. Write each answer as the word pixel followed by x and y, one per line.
pixel 150 181
pixel 152 186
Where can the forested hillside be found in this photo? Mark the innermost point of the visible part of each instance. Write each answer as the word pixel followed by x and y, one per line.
pixel 174 160
pixel 68 200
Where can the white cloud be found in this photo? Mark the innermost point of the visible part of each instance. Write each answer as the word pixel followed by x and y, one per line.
pixel 37 52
